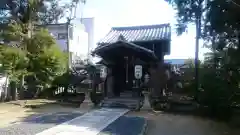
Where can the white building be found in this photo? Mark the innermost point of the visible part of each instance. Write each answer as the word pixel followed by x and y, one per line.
pixel 78 40
pixel 89 24
pixel 88 27
pixel 96 29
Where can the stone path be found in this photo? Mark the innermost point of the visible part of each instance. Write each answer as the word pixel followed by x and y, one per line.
pixel 126 125
pixel 88 124
pixel 38 122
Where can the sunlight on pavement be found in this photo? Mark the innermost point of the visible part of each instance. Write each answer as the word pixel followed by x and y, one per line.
pixel 88 124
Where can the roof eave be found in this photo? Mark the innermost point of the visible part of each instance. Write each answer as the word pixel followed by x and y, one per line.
pixel 124 42
pixel 160 40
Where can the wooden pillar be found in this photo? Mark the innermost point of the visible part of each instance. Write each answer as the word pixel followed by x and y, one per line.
pixel 110 83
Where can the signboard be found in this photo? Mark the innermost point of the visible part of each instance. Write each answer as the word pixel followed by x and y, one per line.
pixel 138 71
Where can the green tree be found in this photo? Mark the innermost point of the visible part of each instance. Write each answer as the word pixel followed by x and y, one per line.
pixel 13 64
pixel 189 63
pixel 224 29
pixel 223 26
pixel 190 11
pixel 47 11
pixel 14 39
pixel 53 13
pixel 47 61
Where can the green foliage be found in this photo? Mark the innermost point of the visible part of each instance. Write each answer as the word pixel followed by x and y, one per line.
pixel 46 59
pixel 223 16
pixel 13 32
pixel 219 82
pixel 219 74
pixel 216 93
pixel 13 62
pixel 47 65
pixel 191 63
pixel 188 11
pixel 52 13
pixel 40 11
pixel 40 41
pixel 38 57
pixel 191 11
pixel 31 54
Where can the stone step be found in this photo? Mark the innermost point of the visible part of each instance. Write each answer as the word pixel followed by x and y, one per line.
pixel 88 124
pixel 121 100
pixel 122 103
pixel 126 94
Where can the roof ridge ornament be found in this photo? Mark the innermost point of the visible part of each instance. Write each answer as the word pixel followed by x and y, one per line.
pixel 121 38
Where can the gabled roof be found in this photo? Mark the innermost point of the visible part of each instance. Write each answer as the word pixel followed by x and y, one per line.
pixel 102 50
pixel 138 33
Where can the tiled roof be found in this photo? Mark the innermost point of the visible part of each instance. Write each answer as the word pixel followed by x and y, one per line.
pixel 138 33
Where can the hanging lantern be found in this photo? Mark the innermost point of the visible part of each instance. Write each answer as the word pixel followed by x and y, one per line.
pixel 138 71
pixel 103 72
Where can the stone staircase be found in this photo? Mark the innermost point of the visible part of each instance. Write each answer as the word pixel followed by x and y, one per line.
pixel 125 100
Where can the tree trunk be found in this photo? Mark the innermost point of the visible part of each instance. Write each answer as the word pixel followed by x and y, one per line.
pixel 198 32
pixel 158 80
pixel 21 90
pixel 39 89
pixel 5 90
pixel 14 91
pixel 68 51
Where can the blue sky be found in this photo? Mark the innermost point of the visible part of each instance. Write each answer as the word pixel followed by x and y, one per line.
pixel 139 12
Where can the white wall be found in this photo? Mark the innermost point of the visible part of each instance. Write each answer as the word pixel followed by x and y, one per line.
pixel 90 29
pixel 55 30
pixel 79 42
pixel 97 28
pixel 78 39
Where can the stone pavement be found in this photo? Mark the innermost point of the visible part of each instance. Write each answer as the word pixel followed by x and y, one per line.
pixel 36 123
pixel 126 125
pixel 88 124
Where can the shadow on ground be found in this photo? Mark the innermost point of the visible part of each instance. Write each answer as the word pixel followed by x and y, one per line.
pixel 48 118
pixel 36 123
pixel 45 115
pixel 46 111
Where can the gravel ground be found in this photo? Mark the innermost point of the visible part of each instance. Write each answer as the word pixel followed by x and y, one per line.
pixel 158 123
pixel 37 123
pixel 175 124
pixel 125 126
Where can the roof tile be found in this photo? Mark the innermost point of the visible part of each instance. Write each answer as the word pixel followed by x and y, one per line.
pixel 138 33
